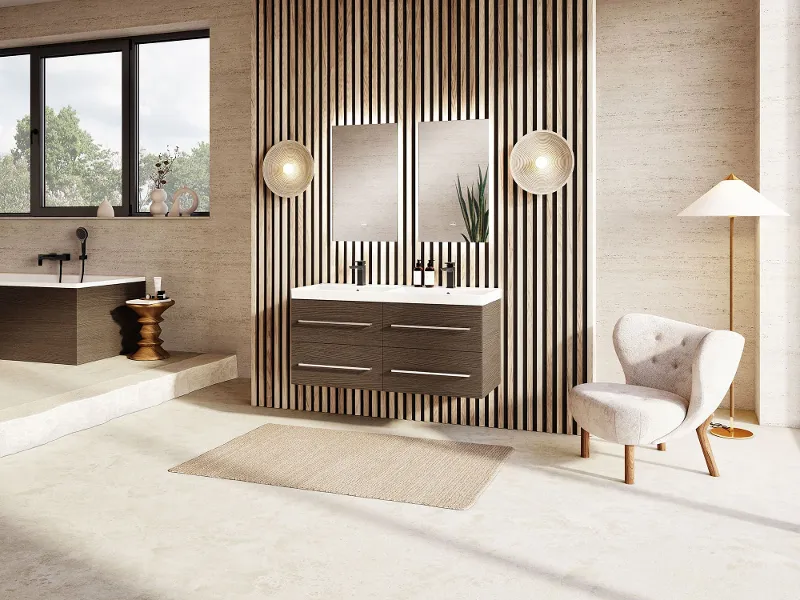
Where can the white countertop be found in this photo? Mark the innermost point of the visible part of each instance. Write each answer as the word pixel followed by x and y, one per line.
pixel 349 292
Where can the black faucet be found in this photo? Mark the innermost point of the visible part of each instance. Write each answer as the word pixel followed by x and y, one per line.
pixel 360 267
pixel 53 256
pixel 450 270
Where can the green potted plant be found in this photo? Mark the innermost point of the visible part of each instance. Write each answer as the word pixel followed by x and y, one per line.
pixel 474 209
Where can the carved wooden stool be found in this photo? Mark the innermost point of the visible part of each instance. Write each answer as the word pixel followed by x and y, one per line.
pixel 150 317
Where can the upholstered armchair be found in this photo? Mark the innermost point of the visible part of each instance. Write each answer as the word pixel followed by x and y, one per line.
pixel 676 376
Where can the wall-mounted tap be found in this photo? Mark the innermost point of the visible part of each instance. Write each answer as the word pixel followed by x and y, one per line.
pixel 54 256
pixel 360 268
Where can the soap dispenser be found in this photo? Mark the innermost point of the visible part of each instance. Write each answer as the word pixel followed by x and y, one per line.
pixel 418 274
pixel 430 274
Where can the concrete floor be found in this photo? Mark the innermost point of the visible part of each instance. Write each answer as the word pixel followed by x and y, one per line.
pixel 96 516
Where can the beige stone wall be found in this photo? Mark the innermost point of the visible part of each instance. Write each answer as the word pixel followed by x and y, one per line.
pixel 779 238
pixel 205 263
pixel 676 106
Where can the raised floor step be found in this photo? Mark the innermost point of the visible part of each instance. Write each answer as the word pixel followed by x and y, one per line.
pixel 40 403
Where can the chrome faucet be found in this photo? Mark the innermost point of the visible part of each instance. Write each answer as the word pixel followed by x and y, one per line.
pixel 53 256
pixel 360 268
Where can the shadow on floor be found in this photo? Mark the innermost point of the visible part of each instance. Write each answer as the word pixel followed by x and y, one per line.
pixel 564 580
pixel 234 396
pixel 33 568
pixel 604 480
pixel 652 462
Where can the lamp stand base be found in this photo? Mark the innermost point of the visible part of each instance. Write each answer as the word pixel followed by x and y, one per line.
pixel 731 433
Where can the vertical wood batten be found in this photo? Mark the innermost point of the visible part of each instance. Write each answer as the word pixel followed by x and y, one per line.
pixel 520 63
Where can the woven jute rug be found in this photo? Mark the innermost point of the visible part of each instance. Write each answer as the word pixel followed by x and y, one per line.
pixel 445 474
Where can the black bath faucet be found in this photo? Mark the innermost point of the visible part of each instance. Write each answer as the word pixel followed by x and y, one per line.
pixel 53 256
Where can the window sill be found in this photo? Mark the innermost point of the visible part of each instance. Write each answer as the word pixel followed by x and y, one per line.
pixel 127 219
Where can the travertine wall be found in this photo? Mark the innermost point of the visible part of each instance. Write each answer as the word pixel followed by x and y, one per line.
pixel 676 106
pixel 779 238
pixel 205 263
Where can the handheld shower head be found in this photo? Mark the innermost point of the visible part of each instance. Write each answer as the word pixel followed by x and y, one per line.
pixel 82 235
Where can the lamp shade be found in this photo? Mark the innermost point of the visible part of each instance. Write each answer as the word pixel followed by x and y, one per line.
pixel 288 168
pixel 542 162
pixel 732 197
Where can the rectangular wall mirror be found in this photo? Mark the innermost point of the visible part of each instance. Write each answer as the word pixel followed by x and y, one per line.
pixel 451 152
pixel 364 161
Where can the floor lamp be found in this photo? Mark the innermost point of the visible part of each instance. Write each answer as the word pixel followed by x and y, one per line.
pixel 732 198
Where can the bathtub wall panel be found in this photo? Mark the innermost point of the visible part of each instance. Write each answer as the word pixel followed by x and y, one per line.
pixel 105 326
pixel 205 263
pixel 67 326
pixel 39 325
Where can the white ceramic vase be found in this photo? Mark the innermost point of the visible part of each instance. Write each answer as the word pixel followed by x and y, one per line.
pixel 176 202
pixel 105 210
pixel 175 209
pixel 158 204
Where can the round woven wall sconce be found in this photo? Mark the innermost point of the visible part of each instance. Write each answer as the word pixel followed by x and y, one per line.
pixel 288 168
pixel 542 162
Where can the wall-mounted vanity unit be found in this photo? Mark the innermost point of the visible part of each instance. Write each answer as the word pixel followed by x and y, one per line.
pixel 438 341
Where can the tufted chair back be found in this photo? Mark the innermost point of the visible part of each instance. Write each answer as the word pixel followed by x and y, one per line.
pixel 658 353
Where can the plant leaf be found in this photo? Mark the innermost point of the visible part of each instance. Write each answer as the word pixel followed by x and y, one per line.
pixel 471 206
pixel 462 203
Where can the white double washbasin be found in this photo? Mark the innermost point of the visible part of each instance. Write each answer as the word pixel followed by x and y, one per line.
pixel 349 292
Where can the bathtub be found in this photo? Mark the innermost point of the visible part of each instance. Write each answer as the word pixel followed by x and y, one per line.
pixel 68 323
pixel 67 281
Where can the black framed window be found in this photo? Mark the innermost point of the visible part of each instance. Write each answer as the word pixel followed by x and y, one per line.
pixel 91 121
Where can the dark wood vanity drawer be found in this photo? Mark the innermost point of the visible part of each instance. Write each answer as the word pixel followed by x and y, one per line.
pixel 336 365
pixel 441 373
pixel 435 326
pixel 331 322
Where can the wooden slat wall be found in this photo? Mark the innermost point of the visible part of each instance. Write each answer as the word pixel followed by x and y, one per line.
pixel 522 64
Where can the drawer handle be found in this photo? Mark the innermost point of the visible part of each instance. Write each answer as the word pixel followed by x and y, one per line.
pixel 336 323
pixel 436 327
pixel 335 367
pixel 430 373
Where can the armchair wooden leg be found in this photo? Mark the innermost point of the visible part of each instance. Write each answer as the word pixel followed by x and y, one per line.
pixel 662 447
pixel 584 443
pixel 629 464
pixel 705 444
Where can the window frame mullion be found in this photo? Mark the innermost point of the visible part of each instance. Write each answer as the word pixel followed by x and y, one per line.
pixel 129 173
pixel 36 134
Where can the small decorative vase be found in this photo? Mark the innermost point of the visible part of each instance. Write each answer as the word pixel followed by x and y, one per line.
pixel 105 210
pixel 176 201
pixel 175 209
pixel 158 205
